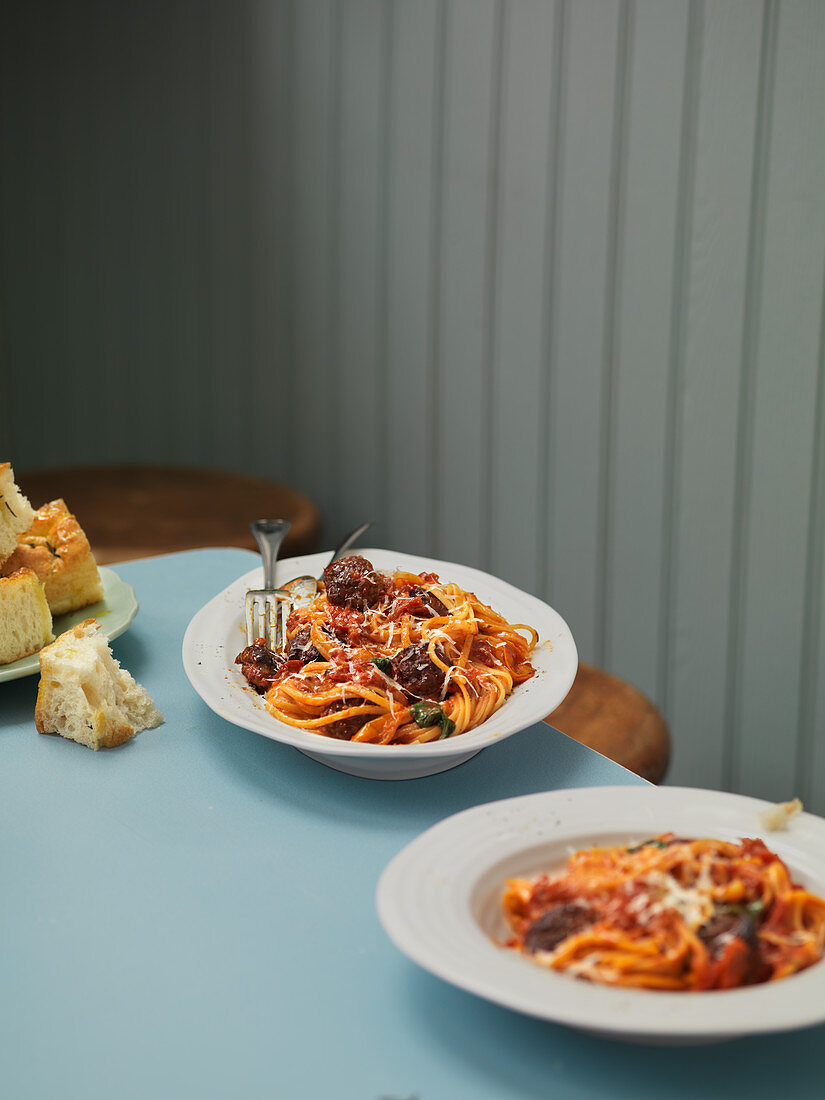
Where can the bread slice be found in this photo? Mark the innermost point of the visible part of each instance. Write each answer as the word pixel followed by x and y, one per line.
pixel 16 514
pixel 56 548
pixel 25 619
pixel 86 696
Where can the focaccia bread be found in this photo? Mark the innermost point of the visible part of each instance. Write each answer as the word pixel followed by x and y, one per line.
pixel 85 695
pixel 55 546
pixel 25 619
pixel 16 514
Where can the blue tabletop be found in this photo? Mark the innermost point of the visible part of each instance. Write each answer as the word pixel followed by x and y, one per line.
pixel 192 915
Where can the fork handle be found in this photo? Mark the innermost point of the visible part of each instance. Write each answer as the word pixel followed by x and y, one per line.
pixel 269 534
pixel 349 539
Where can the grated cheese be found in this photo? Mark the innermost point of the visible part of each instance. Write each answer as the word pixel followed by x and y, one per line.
pixel 692 905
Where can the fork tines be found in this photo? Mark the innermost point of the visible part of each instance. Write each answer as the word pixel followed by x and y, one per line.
pixel 266 614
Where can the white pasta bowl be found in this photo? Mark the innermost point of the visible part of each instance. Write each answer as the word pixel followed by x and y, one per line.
pixel 440 902
pixel 216 635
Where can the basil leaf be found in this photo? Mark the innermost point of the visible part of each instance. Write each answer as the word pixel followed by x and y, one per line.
pixel 382 663
pixel 752 909
pixel 646 844
pixel 428 714
pixel 447 727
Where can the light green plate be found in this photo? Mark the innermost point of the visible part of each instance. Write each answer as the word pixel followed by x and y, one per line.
pixel 114 612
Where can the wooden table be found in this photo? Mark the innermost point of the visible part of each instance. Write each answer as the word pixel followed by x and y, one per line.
pixel 133 512
pixel 611 716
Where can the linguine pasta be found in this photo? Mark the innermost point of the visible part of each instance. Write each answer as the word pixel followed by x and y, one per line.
pixel 669 914
pixel 391 658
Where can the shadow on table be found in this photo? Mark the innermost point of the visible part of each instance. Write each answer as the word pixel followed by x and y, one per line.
pixel 528 1054
pixel 537 759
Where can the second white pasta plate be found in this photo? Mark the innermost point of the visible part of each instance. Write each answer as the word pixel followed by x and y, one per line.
pixel 216 635
pixel 439 900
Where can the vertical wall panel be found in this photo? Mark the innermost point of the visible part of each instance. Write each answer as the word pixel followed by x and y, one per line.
pixel 705 498
pixel 578 420
pixel 30 286
pixel 270 370
pixel 76 241
pixel 227 324
pixel 10 127
pixel 414 194
pixel 115 154
pixel 786 367
pixel 637 499
pixel 471 97
pixel 311 421
pixel 812 783
pixel 518 422
pixel 126 280
pixel 178 352
pixel 362 430
pixel 139 288
pixel 811 760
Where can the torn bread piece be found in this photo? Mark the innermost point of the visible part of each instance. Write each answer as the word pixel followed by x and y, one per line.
pixel 25 619
pixel 55 546
pixel 85 695
pixel 16 514
pixel 778 816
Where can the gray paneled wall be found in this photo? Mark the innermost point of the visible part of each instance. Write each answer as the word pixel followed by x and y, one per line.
pixel 537 285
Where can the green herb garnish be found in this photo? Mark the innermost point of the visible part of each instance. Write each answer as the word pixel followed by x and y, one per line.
pixel 382 663
pixel 430 714
pixel 752 909
pixel 647 844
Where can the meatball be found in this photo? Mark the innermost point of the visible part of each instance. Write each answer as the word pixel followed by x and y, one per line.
pixel 548 931
pixel 260 665
pixel 301 649
pixel 345 728
pixel 724 926
pixel 417 674
pixel 352 582
pixel 432 605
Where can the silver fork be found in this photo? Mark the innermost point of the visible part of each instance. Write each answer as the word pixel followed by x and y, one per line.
pixel 267 608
